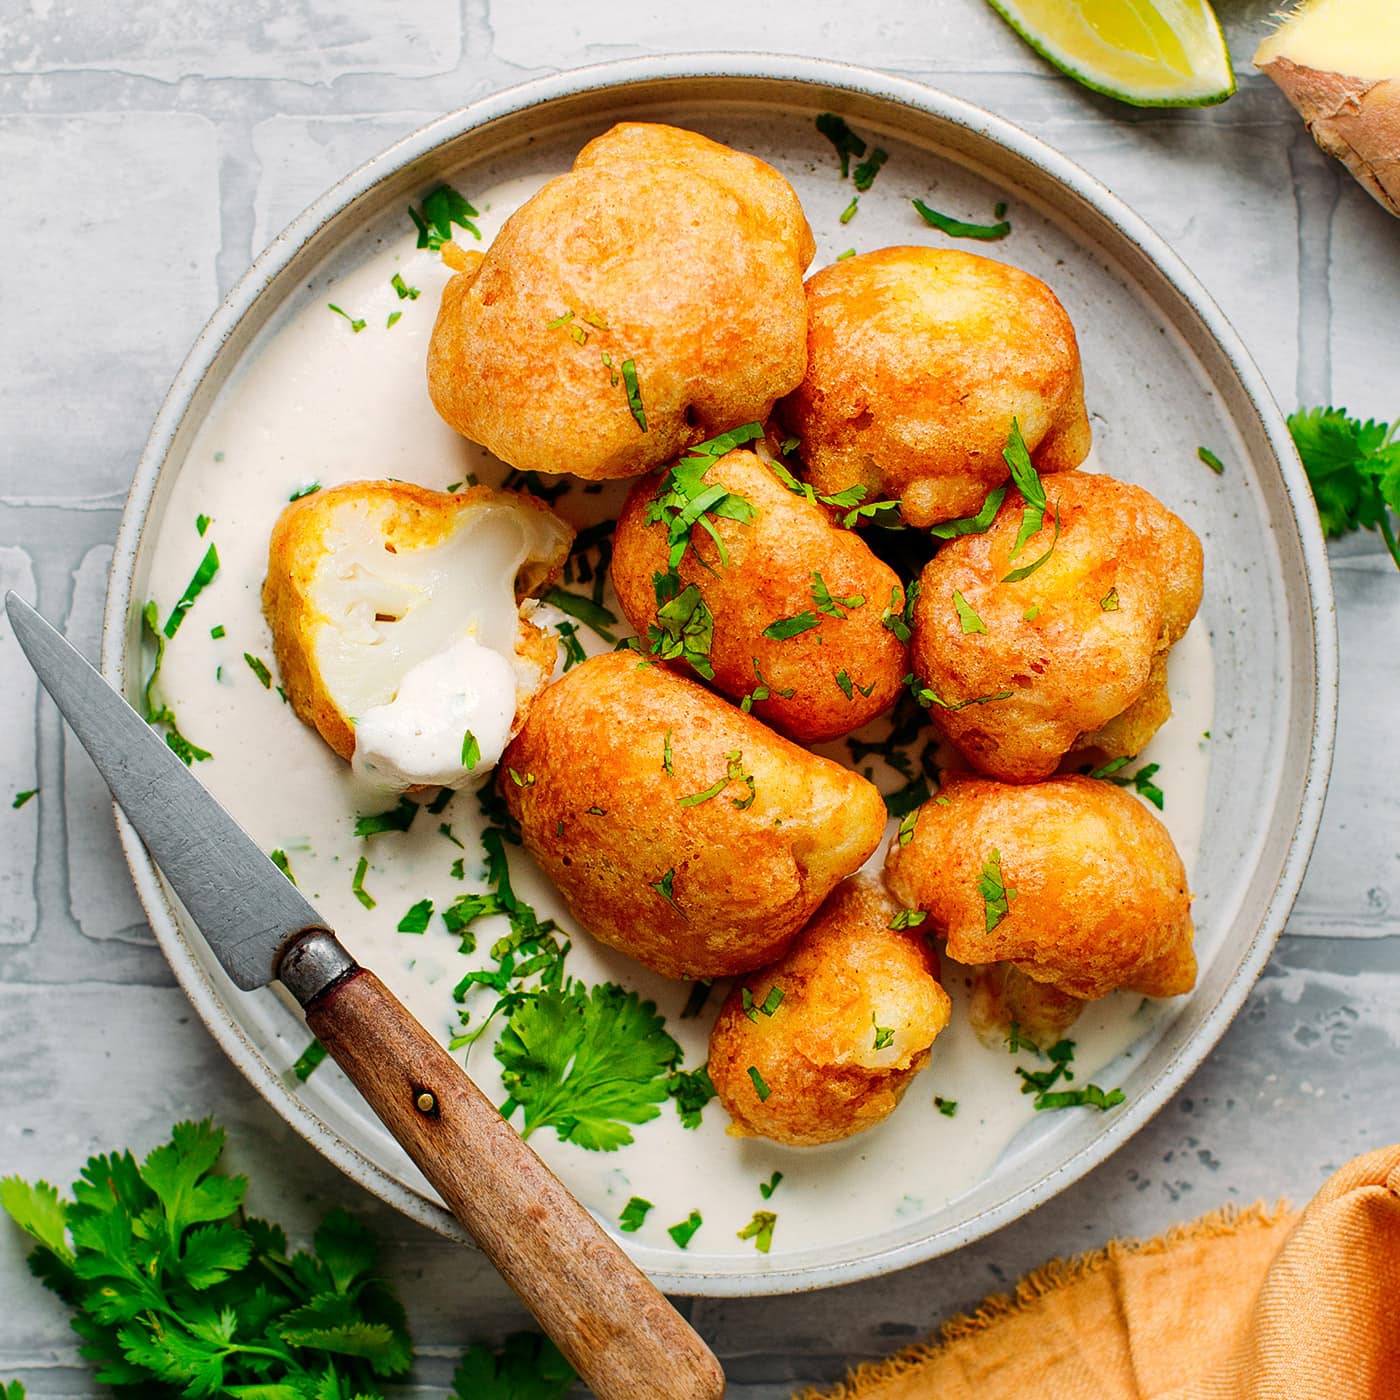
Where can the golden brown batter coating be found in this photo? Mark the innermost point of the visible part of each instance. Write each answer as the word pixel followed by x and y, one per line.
pixel 351 566
pixel 661 253
pixel 918 359
pixel 1078 649
pixel 678 829
pixel 1100 899
pixel 788 562
pixel 860 1006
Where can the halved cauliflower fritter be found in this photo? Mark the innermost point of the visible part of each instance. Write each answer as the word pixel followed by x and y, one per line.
pixel 1071 657
pixel 796 602
pixel 823 1043
pixel 679 829
pixel 400 620
pixel 1073 880
pixel 918 360
pixel 650 298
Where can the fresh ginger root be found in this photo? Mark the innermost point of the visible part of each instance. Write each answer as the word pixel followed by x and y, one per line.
pixel 1338 63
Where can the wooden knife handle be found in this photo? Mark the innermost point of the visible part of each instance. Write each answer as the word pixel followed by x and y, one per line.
pixel 617 1330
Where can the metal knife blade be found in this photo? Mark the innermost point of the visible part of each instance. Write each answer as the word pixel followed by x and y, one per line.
pixel 243 904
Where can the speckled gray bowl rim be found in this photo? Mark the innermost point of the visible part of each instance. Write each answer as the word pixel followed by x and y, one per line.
pixel 686 77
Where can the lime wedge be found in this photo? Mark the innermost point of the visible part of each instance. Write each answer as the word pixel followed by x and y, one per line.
pixel 1152 53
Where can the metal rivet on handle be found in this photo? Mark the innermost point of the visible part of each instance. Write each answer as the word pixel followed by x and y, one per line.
pixel 425 1102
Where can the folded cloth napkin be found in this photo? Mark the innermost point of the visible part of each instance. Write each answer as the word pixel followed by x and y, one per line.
pixel 1252 1304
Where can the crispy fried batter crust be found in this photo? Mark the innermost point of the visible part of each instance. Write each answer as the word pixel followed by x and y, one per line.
pixel 918 359
pixel 772 560
pixel 847 973
pixel 669 250
pixel 1087 668
pixel 605 819
pixel 1101 901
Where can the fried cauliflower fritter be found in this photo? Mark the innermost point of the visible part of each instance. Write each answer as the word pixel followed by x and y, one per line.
pixel 1072 657
pixel 788 561
pixel 379 590
pixel 650 298
pixel 835 1030
pixel 679 829
pixel 918 360
pixel 1072 880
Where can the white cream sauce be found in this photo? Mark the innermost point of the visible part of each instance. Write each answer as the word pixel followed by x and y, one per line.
pixel 320 403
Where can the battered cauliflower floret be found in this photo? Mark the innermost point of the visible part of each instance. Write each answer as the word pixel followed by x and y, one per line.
pixel 647 300
pixel 1071 657
pixel 401 621
pixel 1073 881
pixel 823 1043
pixel 832 666
pixel 679 829
pixel 918 360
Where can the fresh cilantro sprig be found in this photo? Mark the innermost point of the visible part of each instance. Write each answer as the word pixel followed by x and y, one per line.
pixel 683 500
pixel 1354 470
pixel 177 1292
pixel 1041 1083
pixel 441 209
pixel 157 713
pixel 586 1061
pixel 527 1367
pixel 1141 781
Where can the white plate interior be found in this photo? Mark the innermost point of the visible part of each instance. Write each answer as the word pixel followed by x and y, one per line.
pixel 1164 374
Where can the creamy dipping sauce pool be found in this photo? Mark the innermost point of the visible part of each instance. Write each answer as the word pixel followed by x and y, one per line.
pixel 322 403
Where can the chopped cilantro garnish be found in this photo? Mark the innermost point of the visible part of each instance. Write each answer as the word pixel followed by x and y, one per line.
pixel 849 212
pixel 907 825
pixel 471 751
pixel 459 869
pixel 772 1001
pixel 734 773
pixel 259 669
pixel 1031 613
pixel 766 1188
pixel 445 829
pixel 441 209
pixel 947 1107
pixel 927 697
pixel 573 648
pixel 357 885
pixel 841 136
pixel 684 629
pixel 1089 1096
pixel 218 632
pixel 977 524
pixel 844 681
pixel 664 886
pixel 586 1061
pixel 908 918
pixel 762 691
pixel 22 797
pixel 398 818
pixel 392 320
pixel 995 895
pixel 521 780
pixel 895 617
pixel 884 1035
pixel 958 228
pixel 830 604
pixel 208 567
pixel 759 1087
pixel 683 500
pixel 864 174
pixel 633 1214
pixel 305 491
pixel 1141 781
pixel 1041 1083
pixel 882 513
pixel 785 628
pixel 528 1367
pixel 279 859
pixel 966 616
pixel 1109 601
pixel 845 253
pixel 692 1090
pixel 308 1060
pixel 440 803
pixel 406 293
pixel 760 1230
pixel 1028 483
pixel 666 756
pixel 1016 1042
pixel 634 392
pixel 1211 460
pixel 558 321
pixel 695 1002
pixel 1026 570
pixel 161 714
pixel 592 614
pixel 418 917
pixel 685 1231
pixel 201 524
pixel 355 325
pixel 1353 469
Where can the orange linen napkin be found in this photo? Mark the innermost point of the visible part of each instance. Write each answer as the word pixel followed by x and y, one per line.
pixel 1239 1305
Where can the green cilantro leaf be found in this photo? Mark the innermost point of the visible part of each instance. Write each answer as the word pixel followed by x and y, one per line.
pixel 1211 460
pixel 1354 470
pixel 995 895
pixel 22 797
pixel 592 614
pixel 685 1231
pixel 832 604
pixel 356 324
pixel 760 1230
pixel 841 136
pixel 208 567
pixel 864 174
pixel 931 698
pixel 907 825
pixel 310 490
pixel 766 1188
pixel 634 392
pixel 279 859
pixel 634 1213
pixel 684 630
pixel 586 1062
pixel 441 209
pixel 849 212
pixel 967 617
pixel 398 818
pixel 418 917
pixel 908 918
pixel 691 1090
pixel 527 1367
pixel 573 648
pixel 307 1061
pixel 785 628
pixel 259 668
pixel 947 1107
pixel 958 228
pixel 977 524
pixel 161 714
pixel 357 885
pixel 1109 601
pixel 1141 781
pixel 405 292
pixel 760 1087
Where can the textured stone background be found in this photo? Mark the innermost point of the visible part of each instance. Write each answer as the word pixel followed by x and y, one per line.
pixel 151 147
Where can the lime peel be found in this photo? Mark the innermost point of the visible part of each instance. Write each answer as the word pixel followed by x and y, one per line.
pixel 1149 53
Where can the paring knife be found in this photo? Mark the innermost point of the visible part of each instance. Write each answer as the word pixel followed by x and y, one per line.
pixel 615 1327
